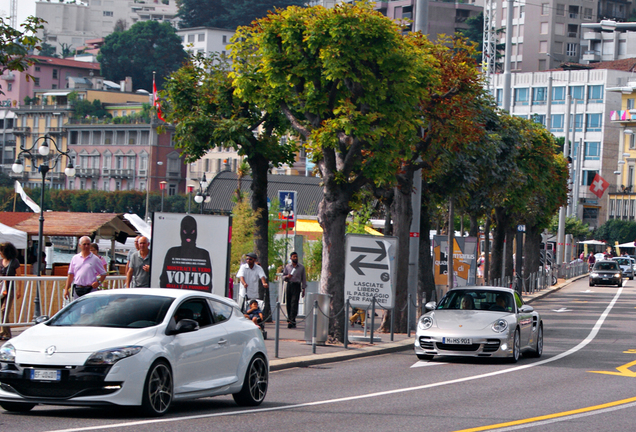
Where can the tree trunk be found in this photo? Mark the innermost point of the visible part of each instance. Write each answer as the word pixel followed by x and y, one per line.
pixel 487 250
pixel 498 240
pixel 426 278
pixel 402 214
pixel 511 233
pixel 260 167
pixel 473 231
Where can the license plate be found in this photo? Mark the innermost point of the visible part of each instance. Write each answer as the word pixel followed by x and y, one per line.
pixel 457 341
pixel 46 375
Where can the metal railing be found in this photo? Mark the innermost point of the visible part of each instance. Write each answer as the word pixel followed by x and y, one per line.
pixel 21 295
pixel 540 280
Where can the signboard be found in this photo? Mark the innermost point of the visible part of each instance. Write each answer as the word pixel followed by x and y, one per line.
pixel 370 270
pixel 287 200
pixel 464 260
pixel 190 251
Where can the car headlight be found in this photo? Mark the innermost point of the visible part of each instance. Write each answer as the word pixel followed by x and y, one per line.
pixel 500 326
pixel 425 323
pixel 617 275
pixel 7 353
pixel 111 356
pixel 594 274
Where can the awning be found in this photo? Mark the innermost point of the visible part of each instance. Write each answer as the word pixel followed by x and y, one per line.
pixel 594 242
pixel 627 245
pixel 102 225
pixel 312 226
pixel 17 237
pixel 139 224
pixel 57 93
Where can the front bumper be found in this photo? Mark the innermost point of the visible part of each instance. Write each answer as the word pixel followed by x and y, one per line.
pixel 605 280
pixel 490 346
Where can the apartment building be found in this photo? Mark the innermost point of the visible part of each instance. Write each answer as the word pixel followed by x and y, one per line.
pixel 609 40
pixel 75 24
pixel 596 138
pixel 206 40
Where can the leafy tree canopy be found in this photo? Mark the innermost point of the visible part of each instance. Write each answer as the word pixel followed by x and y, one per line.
pixel 227 14
pixel 573 225
pixel 146 47
pixel 616 230
pixel 16 45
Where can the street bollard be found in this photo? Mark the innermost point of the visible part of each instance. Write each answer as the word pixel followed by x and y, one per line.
pixel 315 329
pixel 372 318
pixel 277 329
pixel 408 317
pixel 346 336
pixel 392 321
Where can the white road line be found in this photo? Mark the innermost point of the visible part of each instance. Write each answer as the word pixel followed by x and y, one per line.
pixel 424 363
pixel 590 337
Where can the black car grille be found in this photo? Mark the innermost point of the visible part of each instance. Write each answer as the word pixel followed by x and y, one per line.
pixel 491 345
pixel 426 343
pixel 454 347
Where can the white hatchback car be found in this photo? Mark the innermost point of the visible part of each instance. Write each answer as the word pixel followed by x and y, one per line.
pixel 136 347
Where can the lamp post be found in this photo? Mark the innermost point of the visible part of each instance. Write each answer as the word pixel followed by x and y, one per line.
pixel 162 186
pixel 48 160
pixel 202 195
pixel 189 189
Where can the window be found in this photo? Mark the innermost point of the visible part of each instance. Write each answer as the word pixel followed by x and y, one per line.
pixel 201 37
pixel 560 9
pixel 172 189
pixel 539 95
pixel 588 176
pixel 36 81
pixel 108 13
pixel 558 95
pixel 522 11
pixel 579 122
pixel 587 13
pixel 521 96
pixel 573 30
pixel 224 39
pixel 539 118
pixel 544 28
pixel 197 309
pixel 543 46
pixel 54 73
pixel 499 96
pixel 595 93
pixel 593 123
pixel 220 311
pixel 106 186
pixel 577 92
pixel 37 68
pixel 559 29
pixel 571 49
pixel 557 123
pixel 9 86
pixel 631 140
pixel 630 104
pixel 190 38
pixel 545 9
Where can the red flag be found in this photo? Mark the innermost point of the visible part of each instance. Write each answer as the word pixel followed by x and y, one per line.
pixel 598 186
pixel 155 100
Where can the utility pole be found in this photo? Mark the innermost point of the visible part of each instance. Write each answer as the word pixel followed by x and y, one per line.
pixel 562 210
pixel 507 87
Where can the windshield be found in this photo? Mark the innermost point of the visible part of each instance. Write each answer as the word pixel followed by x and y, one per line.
pixel 117 310
pixel 623 261
pixel 606 265
pixel 478 300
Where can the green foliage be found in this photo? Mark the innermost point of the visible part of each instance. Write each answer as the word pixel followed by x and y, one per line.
pixel 276 247
pixel 360 218
pixel 16 45
pixel 573 226
pixel 67 50
pixel 83 108
pixel 242 234
pixel 313 259
pixel 227 14
pixel 616 230
pixel 146 47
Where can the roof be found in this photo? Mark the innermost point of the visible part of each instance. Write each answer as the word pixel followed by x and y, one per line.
pixel 13 218
pixel 627 65
pixel 54 61
pixel 224 184
pixel 104 225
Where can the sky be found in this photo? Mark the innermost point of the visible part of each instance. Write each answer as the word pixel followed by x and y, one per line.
pixel 25 8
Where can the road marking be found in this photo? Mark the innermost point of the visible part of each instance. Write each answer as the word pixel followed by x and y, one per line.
pixel 556 417
pixel 562 310
pixel 590 337
pixel 587 291
pixel 423 363
pixel 622 371
pixel 630 351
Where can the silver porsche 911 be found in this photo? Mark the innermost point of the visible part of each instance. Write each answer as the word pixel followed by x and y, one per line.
pixel 479 322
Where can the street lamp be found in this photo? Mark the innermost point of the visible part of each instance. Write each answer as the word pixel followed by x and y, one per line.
pixel 162 186
pixel 202 195
pixel 48 160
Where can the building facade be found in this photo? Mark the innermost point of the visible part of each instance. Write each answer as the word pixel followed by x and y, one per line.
pixel 206 40
pixel 536 95
pixel 609 40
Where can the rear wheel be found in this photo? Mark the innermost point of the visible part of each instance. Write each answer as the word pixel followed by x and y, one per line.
pixel 158 389
pixel 424 356
pixel 516 347
pixel 255 383
pixel 17 406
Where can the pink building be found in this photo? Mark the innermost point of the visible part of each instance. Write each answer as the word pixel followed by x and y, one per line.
pixel 47 72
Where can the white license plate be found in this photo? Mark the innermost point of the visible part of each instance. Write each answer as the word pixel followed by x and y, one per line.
pixel 457 341
pixel 45 375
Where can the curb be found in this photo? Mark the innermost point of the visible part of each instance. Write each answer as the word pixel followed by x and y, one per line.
pixel 315 359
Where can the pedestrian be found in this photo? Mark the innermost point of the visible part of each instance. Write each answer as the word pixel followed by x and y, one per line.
pixel 86 272
pixel 8 266
pixel 248 275
pixel 95 251
pixel 294 275
pixel 130 252
pixel 139 266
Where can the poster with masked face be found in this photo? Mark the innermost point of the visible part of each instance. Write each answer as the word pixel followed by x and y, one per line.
pixel 190 252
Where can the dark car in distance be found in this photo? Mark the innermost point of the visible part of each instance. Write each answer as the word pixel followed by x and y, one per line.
pixel 606 272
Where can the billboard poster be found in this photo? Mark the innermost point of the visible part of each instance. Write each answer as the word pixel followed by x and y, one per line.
pixel 190 251
pixel 464 260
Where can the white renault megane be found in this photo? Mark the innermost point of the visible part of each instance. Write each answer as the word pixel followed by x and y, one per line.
pixel 144 347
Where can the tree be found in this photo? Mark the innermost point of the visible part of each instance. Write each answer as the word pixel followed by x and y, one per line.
pixel 573 226
pixel 16 45
pixel 350 85
pixel 66 50
pixel 146 47
pixel 46 49
pixel 227 14
pixel 616 230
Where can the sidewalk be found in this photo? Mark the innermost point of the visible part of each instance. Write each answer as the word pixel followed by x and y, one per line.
pixel 293 351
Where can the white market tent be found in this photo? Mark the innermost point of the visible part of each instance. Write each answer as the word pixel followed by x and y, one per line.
pixel 627 245
pixel 594 242
pixel 9 234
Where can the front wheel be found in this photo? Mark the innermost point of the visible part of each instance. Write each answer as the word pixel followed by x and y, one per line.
pixel 158 390
pixel 17 406
pixel 255 383
pixel 516 347
pixel 538 348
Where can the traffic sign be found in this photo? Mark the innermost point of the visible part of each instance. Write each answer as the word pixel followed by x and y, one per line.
pixel 370 270
pixel 287 200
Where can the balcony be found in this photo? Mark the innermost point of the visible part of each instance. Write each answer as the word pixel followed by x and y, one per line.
pixel 173 175
pixel 118 173
pixel 592 35
pixel 21 130
pixel 54 130
pixel 87 172
pixel 8 76
pixel 592 56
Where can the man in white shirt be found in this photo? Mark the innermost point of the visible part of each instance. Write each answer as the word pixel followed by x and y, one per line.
pixel 249 274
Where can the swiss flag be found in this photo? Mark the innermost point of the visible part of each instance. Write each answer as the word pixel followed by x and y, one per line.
pixel 598 186
pixel 155 100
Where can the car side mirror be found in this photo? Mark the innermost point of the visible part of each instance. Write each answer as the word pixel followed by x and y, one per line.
pixel 41 319
pixel 526 309
pixel 430 306
pixel 183 326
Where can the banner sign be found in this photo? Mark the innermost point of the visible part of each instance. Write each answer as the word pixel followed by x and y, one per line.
pixel 190 251
pixel 464 260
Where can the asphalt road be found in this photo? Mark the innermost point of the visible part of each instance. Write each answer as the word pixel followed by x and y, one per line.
pixel 584 382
